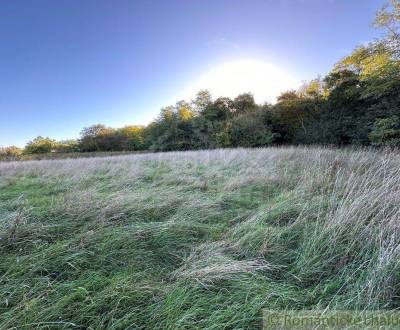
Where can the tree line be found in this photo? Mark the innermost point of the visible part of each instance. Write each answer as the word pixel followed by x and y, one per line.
pixel 357 103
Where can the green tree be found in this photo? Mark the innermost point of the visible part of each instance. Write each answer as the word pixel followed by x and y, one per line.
pixel 248 129
pixel 173 128
pixel 293 112
pixel 66 146
pixel 210 123
pixel 345 109
pixel 98 138
pixel 201 101
pixel 244 102
pixel 386 132
pixel 388 18
pixel 314 89
pixel 40 145
pixel 130 138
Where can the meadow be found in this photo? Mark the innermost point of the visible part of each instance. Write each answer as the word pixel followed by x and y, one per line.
pixel 197 239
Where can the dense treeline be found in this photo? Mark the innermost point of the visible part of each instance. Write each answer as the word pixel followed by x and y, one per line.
pixel 357 103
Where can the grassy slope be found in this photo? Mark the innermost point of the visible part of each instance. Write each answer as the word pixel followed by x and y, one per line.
pixel 197 239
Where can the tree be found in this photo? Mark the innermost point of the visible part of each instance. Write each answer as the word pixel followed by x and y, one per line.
pixel 66 146
pixel 40 145
pixel 210 123
pixel 388 18
pixel 173 129
pixel 10 153
pixel 293 112
pixel 386 132
pixel 345 109
pixel 249 129
pixel 376 67
pixel 201 101
pixel 244 102
pixel 314 89
pixel 130 138
pixel 98 138
pixel 184 111
pixel 373 93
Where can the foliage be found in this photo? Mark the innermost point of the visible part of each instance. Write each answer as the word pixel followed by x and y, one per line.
pixel 67 146
pixel 386 132
pixel 173 128
pixel 97 137
pixel 388 18
pixel 40 145
pixel 293 112
pixel 131 138
pixel 249 129
pixel 244 103
pixel 10 153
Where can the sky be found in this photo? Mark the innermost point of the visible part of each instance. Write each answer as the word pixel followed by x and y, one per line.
pixel 68 64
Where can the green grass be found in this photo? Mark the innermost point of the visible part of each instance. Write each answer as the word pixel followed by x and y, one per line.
pixel 200 240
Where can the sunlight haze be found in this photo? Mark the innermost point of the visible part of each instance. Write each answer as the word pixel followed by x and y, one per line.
pixel 261 78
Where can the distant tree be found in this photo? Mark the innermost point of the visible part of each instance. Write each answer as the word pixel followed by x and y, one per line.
pixel 165 131
pixel 173 128
pixel 98 138
pixel 210 123
pixel 375 65
pixel 185 116
pixel 184 111
pixel 130 138
pixel 201 101
pixel 88 140
pixel 10 153
pixel 248 129
pixel 314 89
pixel 293 112
pixel 222 108
pixel 345 108
pixel 364 87
pixel 244 102
pixel 66 146
pixel 288 96
pixel 388 18
pixel 40 145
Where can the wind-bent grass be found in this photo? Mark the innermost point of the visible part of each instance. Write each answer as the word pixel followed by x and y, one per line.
pixel 197 239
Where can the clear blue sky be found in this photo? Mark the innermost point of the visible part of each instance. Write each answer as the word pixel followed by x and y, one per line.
pixel 66 64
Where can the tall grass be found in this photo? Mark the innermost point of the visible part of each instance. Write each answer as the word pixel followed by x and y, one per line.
pixel 202 239
pixel 64 155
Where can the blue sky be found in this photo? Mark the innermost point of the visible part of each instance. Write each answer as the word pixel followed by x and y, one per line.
pixel 67 64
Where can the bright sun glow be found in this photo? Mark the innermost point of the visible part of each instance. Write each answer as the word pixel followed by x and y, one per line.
pixel 230 79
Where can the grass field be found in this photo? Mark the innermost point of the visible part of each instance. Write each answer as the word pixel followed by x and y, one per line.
pixel 205 239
